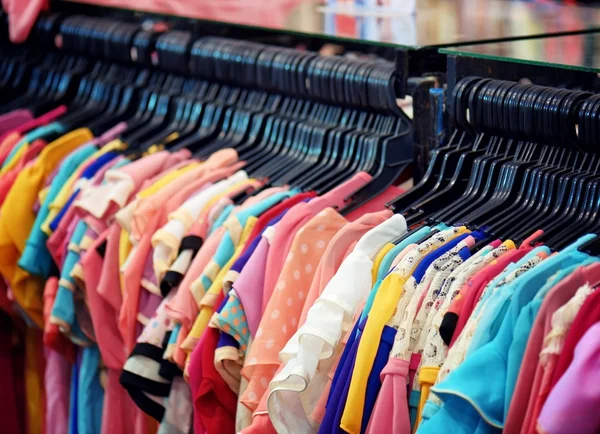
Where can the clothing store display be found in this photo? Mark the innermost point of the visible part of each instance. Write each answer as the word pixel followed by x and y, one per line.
pixel 207 235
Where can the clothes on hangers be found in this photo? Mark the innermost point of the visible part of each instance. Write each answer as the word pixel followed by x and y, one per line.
pixel 150 272
pixel 277 313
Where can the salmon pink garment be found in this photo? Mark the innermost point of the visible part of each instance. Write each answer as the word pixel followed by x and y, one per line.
pixel 120 414
pixel 119 184
pixel 149 217
pixel 337 250
pixel 282 314
pixel 296 218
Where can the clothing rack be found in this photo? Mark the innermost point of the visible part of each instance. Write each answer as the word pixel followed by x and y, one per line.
pixel 254 64
pixel 201 222
pixel 549 115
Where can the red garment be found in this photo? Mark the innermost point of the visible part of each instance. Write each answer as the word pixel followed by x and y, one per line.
pixel 214 402
pixel 53 337
pixel 273 212
pixel 471 293
pixel 8 179
pixel 588 315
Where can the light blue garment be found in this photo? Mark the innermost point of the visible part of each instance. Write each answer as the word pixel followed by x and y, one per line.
pixel 388 259
pixel 64 304
pixel 38 133
pixel 481 403
pixel 90 398
pixel 36 257
pixel 523 328
pixel 226 247
pixel 221 218
pixel 497 304
pixel 174 334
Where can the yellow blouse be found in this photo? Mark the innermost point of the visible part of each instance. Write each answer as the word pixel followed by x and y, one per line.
pixel 385 302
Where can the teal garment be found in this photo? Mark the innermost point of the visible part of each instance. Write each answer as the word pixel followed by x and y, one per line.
pixel 226 247
pixel 38 133
pixel 386 264
pixel 388 259
pixel 481 404
pixel 36 258
pixel 90 397
pixel 221 218
pixel 497 304
pixel 174 334
pixel 64 304
pixel 523 328
pixel 413 406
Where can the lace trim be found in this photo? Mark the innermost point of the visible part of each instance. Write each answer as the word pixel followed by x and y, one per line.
pixel 561 322
pixel 408 334
pixel 435 350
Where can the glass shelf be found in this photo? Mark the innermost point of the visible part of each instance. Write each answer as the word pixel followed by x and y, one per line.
pixel 577 52
pixel 435 23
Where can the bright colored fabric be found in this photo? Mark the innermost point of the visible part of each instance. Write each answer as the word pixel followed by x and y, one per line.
pixel 382 311
pixel 313 346
pixel 18 207
pixel 572 405
pixel 486 405
pixel 283 310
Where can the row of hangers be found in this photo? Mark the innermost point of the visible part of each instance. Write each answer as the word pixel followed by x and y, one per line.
pixel 521 158
pixel 295 117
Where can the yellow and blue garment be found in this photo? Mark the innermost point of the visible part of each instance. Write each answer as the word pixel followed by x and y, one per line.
pixel 385 346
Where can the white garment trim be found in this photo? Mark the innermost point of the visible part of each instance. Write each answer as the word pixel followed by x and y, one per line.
pixel 308 354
